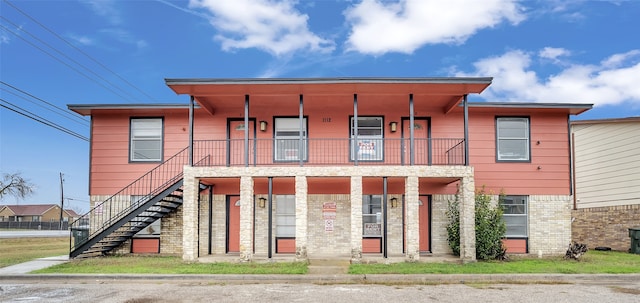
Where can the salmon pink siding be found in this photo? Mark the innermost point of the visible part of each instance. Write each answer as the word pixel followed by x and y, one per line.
pixel 329 117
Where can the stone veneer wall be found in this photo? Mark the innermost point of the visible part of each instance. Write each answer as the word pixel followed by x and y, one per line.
pixel 605 226
pixel 218 225
pixel 171 233
pixel 549 224
pixel 439 205
pixel 329 243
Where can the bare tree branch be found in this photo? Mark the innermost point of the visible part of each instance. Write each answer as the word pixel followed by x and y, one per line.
pixel 15 185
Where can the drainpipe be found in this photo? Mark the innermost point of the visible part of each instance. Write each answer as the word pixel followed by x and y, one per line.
pixel 210 216
pixel 355 129
pixel 270 219
pixel 466 130
pixel 300 139
pixel 246 130
pixel 384 216
pixel 411 132
pixel 191 131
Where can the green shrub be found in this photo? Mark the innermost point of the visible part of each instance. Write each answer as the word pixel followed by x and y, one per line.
pixel 490 227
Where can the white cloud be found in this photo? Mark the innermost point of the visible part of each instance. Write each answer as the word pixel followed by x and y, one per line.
pixel 404 26
pixel 82 40
pixel 553 53
pixel 606 83
pixel 106 9
pixel 274 26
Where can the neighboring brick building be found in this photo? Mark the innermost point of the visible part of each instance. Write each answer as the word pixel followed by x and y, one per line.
pixel 607 181
pixel 35 213
pixel 357 168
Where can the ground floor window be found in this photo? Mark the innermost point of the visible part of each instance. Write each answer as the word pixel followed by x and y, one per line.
pixel 285 216
pixel 372 215
pixel 516 216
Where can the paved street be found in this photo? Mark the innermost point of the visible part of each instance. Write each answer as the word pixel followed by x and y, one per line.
pixel 204 290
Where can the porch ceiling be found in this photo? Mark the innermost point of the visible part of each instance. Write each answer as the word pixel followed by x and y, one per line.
pixel 439 92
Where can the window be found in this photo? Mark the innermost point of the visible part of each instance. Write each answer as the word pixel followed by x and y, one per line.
pixel 372 216
pixel 512 139
pixel 35 218
pixel 287 139
pixel 286 216
pixel 370 143
pixel 146 140
pixel 515 215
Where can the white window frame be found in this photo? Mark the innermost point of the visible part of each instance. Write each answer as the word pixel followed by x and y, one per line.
pixel 370 145
pixel 287 139
pixel 372 216
pixel 502 138
pixel 516 215
pixel 146 130
pixel 285 216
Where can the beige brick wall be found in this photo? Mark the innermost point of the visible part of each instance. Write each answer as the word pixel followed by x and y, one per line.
pixel 329 243
pixel 171 233
pixel 439 205
pixel 605 226
pixel 549 224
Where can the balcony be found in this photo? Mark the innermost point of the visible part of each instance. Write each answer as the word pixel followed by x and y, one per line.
pixel 328 152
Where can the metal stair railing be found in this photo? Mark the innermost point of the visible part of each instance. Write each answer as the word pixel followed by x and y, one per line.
pixel 130 198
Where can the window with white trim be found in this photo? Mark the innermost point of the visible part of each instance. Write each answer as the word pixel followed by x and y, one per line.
pixel 372 216
pixel 285 216
pixel 370 145
pixel 146 140
pixel 512 139
pixel 515 216
pixel 287 139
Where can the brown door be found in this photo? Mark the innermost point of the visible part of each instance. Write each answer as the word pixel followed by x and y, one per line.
pixel 235 147
pixel 424 223
pixel 421 142
pixel 233 224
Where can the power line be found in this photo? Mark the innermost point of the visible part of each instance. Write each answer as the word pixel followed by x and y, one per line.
pixel 65 56
pixel 44 121
pixel 78 49
pixel 65 63
pixel 69 116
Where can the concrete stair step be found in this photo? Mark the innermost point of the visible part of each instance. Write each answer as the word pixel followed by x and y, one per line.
pixel 328 266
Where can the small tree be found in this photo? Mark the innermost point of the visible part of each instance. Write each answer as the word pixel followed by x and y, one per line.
pixel 490 227
pixel 15 185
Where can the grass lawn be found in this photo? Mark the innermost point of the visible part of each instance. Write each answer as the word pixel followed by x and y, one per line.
pixel 170 265
pixel 591 263
pixel 18 250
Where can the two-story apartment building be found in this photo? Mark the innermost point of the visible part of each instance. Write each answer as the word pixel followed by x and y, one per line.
pixel 343 167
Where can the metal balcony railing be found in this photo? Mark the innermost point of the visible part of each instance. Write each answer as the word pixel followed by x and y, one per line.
pixel 322 152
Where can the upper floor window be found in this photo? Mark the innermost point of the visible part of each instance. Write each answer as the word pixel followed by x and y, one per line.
pixel 515 215
pixel 145 140
pixel 287 139
pixel 370 145
pixel 512 139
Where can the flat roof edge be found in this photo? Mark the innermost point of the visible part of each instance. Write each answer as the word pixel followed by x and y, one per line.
pixel 531 105
pixel 408 80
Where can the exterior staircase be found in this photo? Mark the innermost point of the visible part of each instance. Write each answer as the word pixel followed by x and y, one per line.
pixel 112 222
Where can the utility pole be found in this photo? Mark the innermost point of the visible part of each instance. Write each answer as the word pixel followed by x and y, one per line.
pixel 61 199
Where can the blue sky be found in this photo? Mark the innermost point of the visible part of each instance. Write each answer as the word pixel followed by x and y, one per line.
pixel 79 52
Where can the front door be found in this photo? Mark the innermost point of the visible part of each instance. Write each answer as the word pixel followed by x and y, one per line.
pixel 235 146
pixel 422 145
pixel 424 211
pixel 233 224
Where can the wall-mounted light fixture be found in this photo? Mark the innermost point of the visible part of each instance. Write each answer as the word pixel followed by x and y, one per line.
pixel 394 202
pixel 262 202
pixel 263 126
pixel 393 126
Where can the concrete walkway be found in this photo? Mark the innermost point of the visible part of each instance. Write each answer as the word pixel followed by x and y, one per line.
pixel 30 266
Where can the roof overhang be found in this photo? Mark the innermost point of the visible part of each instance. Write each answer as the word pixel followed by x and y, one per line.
pixel 446 92
pixel 569 108
pixel 607 120
pixel 89 109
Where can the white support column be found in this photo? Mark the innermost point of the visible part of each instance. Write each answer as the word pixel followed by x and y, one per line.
pixel 246 218
pixel 301 217
pixel 412 204
pixel 356 218
pixel 467 220
pixel 190 217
